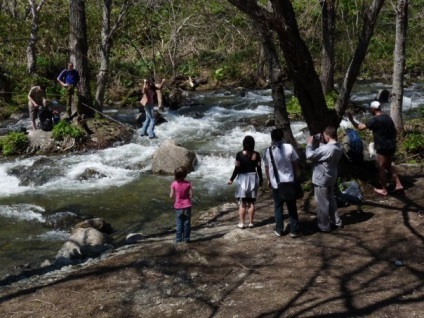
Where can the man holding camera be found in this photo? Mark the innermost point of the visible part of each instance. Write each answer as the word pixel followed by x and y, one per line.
pixel 325 152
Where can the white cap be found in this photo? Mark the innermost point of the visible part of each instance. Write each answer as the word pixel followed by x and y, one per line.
pixel 375 105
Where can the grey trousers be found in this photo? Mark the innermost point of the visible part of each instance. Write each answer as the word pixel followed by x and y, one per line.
pixel 326 208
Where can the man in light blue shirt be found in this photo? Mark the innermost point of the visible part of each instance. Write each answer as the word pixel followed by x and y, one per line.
pixel 325 159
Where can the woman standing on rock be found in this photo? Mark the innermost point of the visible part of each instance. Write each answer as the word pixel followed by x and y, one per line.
pixel 249 172
pixel 147 101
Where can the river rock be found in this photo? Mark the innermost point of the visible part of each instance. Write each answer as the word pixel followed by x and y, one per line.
pixel 171 155
pixel 40 172
pixel 96 223
pixel 410 170
pixel 90 173
pixel 61 220
pixel 83 242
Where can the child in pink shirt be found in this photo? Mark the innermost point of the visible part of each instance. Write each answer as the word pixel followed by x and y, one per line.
pixel 182 193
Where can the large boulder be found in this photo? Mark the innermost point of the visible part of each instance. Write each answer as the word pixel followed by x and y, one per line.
pixel 83 243
pixel 171 155
pixel 96 223
pixel 40 172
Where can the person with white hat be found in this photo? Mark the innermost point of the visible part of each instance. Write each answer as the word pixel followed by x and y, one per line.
pixel 384 134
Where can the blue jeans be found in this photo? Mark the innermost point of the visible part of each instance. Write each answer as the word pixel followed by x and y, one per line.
pixel 149 123
pixel 182 225
pixel 278 213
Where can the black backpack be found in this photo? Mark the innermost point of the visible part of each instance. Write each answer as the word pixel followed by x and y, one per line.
pixel 45 116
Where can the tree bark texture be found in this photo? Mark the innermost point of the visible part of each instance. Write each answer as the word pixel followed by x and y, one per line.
pixel 328 11
pixel 33 37
pixel 78 47
pixel 282 120
pixel 399 64
pixel 105 48
pixel 299 61
pixel 370 19
pixel 102 76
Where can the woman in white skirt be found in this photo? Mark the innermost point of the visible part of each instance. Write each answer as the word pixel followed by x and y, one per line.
pixel 249 177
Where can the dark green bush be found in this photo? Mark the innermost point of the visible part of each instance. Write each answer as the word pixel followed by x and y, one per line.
pixel 413 142
pixel 14 143
pixel 65 129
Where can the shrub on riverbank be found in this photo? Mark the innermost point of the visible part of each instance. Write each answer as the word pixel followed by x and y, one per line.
pixel 64 130
pixel 13 143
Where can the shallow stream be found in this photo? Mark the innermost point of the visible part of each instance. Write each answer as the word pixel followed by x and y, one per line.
pixel 130 197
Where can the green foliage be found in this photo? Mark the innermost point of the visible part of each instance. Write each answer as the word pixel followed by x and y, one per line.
pixel 64 129
pixel 421 111
pixel 331 99
pixel 293 106
pixel 413 142
pixel 14 143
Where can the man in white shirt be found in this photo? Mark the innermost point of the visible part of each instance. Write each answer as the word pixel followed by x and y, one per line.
pixel 285 161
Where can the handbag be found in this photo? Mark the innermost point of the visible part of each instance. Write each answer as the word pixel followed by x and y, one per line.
pixel 288 191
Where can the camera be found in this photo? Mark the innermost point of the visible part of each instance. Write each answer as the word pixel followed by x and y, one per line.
pixel 318 137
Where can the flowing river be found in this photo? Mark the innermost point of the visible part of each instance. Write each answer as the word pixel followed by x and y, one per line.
pixel 130 197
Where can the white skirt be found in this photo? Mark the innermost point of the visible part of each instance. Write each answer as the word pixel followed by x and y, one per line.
pixel 247 185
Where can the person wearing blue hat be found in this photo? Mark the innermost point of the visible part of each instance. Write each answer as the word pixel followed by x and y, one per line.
pixel 384 135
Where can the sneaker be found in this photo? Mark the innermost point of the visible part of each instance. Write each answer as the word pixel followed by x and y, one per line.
pixel 337 227
pixel 154 137
pixel 294 235
pixel 251 225
pixel 277 233
pixel 142 135
pixel 240 226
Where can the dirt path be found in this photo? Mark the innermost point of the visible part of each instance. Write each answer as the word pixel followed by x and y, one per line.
pixel 374 267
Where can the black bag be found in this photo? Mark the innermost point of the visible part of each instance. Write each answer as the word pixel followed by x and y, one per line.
pixel 289 191
pixel 46 119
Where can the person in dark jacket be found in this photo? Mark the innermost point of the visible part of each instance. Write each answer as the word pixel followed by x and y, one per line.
pixel 384 134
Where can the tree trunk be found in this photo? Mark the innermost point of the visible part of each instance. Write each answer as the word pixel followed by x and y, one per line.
pixel 351 76
pixel 102 76
pixel 300 65
pixel 79 49
pixel 33 37
pixel 282 120
pixel 399 64
pixel 281 115
pixel 327 59
pixel 106 45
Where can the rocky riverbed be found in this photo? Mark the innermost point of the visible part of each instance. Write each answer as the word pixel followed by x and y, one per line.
pixel 374 267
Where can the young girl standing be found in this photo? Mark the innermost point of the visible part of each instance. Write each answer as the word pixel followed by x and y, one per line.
pixel 182 193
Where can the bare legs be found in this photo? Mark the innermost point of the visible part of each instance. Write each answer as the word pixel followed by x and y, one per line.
pixel 248 207
pixel 384 165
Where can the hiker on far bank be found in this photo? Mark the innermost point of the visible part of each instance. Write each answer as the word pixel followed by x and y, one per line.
pixel 325 158
pixel 36 99
pixel 384 134
pixel 147 101
pixel 69 79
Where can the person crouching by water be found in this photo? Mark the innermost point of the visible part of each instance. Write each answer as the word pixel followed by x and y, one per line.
pixel 282 163
pixel 182 192
pixel 36 99
pixel 147 101
pixel 249 176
